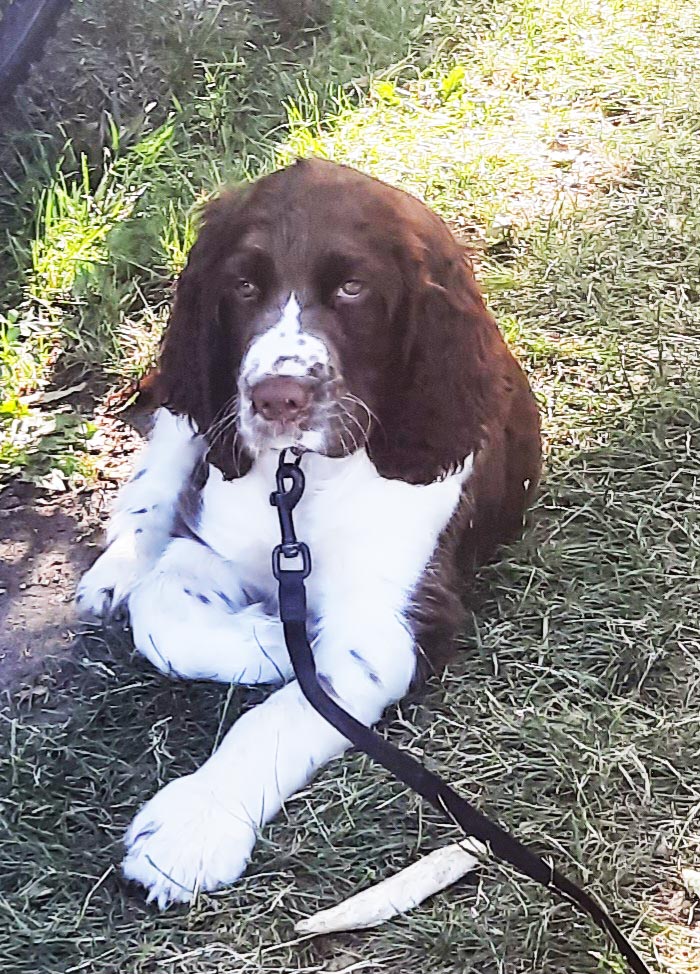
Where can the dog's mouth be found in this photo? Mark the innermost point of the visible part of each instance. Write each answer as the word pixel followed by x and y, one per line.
pixel 283 434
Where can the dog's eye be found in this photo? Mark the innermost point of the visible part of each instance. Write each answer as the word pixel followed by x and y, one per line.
pixel 350 290
pixel 246 289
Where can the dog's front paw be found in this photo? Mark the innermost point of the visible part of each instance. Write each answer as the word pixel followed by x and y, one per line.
pixel 105 587
pixel 185 840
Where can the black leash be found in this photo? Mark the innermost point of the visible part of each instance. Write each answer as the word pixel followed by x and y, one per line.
pixel 292 596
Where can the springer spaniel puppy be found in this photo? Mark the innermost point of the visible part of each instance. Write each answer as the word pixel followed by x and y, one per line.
pixel 324 310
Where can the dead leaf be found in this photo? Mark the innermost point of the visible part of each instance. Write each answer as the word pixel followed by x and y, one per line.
pixel 43 398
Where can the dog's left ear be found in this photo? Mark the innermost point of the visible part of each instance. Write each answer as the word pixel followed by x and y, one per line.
pixel 200 355
pixel 443 383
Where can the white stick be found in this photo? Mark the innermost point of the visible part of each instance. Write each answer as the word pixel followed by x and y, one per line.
pixel 399 893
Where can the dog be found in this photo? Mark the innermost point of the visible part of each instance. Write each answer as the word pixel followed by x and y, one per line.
pixel 322 310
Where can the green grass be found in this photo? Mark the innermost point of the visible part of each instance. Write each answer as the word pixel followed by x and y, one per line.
pixel 560 140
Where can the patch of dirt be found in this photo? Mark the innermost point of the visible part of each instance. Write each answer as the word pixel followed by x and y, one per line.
pixel 47 540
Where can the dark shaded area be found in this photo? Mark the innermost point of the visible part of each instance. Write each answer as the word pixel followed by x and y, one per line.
pixel 47 540
pixel 44 548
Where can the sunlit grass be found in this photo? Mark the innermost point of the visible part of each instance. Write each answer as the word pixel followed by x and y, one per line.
pixel 176 238
pixel 72 228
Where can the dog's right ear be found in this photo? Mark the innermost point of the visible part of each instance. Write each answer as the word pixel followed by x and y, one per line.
pixel 199 354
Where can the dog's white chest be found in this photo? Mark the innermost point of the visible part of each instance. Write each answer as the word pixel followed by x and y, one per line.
pixel 353 520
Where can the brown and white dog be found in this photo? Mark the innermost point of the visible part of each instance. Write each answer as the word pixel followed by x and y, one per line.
pixel 325 310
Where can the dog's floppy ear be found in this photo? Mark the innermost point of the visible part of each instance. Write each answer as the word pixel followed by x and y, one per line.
pixel 200 357
pixel 441 388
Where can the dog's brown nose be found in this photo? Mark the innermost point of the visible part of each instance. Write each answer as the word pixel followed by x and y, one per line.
pixel 280 397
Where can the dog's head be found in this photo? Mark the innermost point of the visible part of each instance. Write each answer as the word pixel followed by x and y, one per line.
pixel 323 309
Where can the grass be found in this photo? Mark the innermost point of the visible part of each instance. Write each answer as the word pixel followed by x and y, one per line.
pixel 560 140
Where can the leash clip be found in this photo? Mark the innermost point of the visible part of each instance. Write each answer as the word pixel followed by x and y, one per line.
pixel 285 499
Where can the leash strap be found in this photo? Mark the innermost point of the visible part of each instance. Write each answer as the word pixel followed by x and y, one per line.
pixel 292 599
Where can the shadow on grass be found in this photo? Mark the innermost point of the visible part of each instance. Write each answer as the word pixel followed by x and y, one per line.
pixel 43 552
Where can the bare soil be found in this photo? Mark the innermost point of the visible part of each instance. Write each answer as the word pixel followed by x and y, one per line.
pixel 47 540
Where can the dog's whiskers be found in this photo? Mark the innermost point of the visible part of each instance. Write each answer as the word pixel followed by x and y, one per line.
pixel 233 399
pixel 236 437
pixel 364 433
pixel 371 416
pixel 343 443
pixel 220 427
pixel 345 429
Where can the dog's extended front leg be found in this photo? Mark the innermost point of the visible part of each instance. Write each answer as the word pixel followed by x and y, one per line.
pixel 142 519
pixel 199 831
